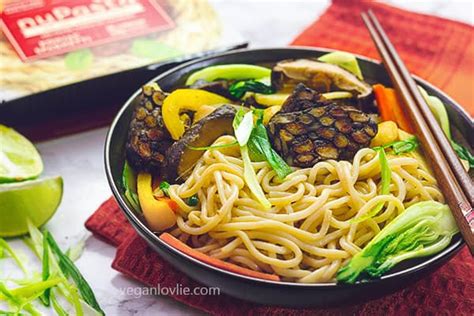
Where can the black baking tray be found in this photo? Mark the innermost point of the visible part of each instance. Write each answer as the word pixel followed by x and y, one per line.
pixel 86 104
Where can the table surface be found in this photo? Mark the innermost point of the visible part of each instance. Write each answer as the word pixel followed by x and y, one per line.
pixel 79 158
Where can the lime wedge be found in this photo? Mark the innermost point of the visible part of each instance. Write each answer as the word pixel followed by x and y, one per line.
pixel 19 159
pixel 36 200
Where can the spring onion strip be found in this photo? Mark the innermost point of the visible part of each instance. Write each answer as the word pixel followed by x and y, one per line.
pixel 45 297
pixel 251 179
pixel 386 178
pixel 4 245
pixel 69 269
pixel 56 306
pixel 244 129
pixel 213 146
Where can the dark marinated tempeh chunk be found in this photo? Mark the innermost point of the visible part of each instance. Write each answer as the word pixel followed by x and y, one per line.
pixel 316 130
pixel 148 138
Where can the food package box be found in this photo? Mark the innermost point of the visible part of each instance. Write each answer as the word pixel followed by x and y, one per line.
pixel 56 55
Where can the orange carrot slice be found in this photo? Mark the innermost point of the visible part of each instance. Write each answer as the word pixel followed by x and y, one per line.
pixel 179 245
pixel 383 103
pixel 391 108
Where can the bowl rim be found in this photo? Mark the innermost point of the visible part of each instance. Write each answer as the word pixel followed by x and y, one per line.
pixel 150 237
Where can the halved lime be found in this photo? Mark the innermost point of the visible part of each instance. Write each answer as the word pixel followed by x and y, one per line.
pixel 36 200
pixel 19 159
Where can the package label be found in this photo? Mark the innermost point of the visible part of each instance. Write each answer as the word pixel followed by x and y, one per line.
pixel 44 28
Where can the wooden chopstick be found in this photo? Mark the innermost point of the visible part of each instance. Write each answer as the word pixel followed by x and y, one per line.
pixel 456 198
pixel 461 175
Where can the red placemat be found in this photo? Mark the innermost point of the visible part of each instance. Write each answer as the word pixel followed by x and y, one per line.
pixel 448 291
pixel 438 50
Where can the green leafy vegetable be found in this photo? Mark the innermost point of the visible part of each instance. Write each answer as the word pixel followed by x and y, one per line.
pixel 259 145
pixel 149 48
pixel 386 178
pixel 79 59
pixel 249 173
pixel 193 200
pixel 402 146
pixel 165 187
pixel 423 229
pixel 69 269
pixel 129 186
pixel 261 149
pixel 229 72
pixel 239 88
pixel 463 153
pixel 439 111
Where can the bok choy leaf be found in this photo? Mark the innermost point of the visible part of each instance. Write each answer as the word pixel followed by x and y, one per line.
pixel 239 88
pixel 423 229
pixel 243 126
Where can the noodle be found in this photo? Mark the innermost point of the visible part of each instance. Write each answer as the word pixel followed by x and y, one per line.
pixel 308 234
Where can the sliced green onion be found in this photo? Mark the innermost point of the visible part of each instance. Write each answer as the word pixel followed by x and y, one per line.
pixel 251 179
pixel 401 146
pixel 165 187
pixel 386 178
pixel 244 129
pixel 69 269
pixel 4 245
pixel 213 146
pixel 45 297
pixel 56 306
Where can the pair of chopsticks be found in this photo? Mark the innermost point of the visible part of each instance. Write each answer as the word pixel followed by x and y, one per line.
pixel 453 180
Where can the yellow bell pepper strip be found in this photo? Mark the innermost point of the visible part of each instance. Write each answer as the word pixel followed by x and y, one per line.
pixel 229 72
pixel 159 213
pixel 185 99
pixel 280 98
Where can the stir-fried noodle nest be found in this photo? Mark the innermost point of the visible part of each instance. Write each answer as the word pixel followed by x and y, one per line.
pixel 310 231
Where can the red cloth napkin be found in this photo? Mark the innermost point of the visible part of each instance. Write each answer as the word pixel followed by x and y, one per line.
pixel 448 291
pixel 438 50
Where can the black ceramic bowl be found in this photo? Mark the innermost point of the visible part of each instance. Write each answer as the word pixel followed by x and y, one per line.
pixel 248 288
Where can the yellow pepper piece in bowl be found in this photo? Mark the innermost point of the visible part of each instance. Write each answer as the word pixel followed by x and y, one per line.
pixel 159 213
pixel 186 99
